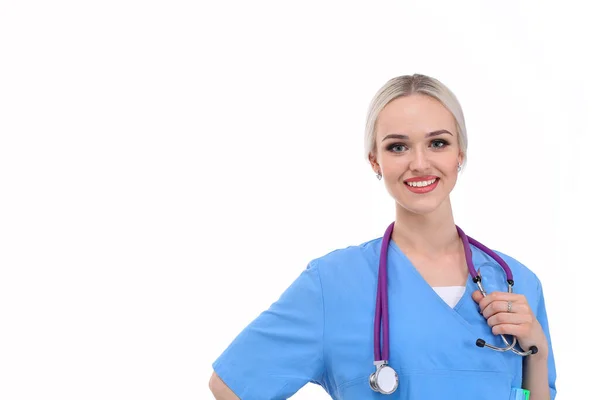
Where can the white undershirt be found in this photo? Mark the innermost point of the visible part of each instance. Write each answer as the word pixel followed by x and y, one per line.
pixel 450 294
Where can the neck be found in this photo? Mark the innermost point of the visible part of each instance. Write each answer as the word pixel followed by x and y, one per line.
pixel 431 234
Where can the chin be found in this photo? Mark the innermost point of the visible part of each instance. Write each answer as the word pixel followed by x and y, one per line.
pixel 420 207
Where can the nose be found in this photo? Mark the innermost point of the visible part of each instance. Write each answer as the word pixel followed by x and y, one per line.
pixel 420 160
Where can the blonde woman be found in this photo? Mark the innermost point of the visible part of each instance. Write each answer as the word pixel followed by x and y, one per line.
pixel 405 315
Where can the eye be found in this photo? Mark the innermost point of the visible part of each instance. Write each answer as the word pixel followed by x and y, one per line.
pixel 439 144
pixel 396 147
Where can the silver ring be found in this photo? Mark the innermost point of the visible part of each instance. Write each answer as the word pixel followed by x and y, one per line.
pixel 509 308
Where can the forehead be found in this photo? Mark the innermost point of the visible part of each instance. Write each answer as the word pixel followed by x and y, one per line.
pixel 415 114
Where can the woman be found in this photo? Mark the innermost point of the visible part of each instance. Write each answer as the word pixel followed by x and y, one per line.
pixel 325 327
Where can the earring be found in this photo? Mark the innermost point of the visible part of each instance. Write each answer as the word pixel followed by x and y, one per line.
pixel 459 167
pixel 378 175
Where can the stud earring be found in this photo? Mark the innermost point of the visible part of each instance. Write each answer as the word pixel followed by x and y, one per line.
pixel 459 167
pixel 378 175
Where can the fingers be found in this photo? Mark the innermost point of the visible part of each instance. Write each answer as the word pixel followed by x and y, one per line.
pixel 501 306
pixel 477 296
pixel 510 329
pixel 502 298
pixel 494 308
pixel 519 321
pixel 504 318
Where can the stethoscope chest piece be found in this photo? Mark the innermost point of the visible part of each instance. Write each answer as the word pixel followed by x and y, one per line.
pixel 384 380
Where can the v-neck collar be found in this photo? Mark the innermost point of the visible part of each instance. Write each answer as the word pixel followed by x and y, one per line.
pixel 469 285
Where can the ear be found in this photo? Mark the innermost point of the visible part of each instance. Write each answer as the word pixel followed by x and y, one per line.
pixel 461 158
pixel 374 163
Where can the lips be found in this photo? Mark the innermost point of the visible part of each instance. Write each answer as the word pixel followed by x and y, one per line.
pixel 422 184
pixel 423 178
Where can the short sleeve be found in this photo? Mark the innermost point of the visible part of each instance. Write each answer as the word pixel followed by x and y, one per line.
pixel 282 349
pixel 542 318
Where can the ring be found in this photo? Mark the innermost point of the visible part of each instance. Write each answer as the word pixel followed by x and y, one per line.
pixel 509 308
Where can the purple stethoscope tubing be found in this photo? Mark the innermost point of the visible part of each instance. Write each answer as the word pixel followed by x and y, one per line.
pixel 381 306
pixel 382 310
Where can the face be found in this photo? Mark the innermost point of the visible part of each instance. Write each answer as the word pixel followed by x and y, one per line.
pixel 417 152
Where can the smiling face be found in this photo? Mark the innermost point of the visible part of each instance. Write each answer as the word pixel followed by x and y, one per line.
pixel 417 152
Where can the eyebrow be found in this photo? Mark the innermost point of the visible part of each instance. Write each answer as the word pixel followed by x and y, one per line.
pixel 405 137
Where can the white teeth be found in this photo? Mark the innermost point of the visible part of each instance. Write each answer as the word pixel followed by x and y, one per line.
pixel 421 183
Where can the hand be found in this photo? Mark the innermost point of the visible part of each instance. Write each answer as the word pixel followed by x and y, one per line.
pixel 519 322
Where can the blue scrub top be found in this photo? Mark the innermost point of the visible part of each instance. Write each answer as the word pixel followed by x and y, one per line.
pixel 321 331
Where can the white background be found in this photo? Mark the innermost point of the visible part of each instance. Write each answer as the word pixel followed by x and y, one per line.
pixel 168 168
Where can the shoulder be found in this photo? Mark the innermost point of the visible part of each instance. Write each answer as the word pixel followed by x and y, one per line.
pixel 525 279
pixel 351 260
pixel 333 272
pixel 365 251
pixel 521 272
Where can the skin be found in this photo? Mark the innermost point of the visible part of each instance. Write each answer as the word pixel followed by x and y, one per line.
pixel 220 390
pixel 425 228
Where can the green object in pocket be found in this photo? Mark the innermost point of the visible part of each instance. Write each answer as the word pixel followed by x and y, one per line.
pixel 520 394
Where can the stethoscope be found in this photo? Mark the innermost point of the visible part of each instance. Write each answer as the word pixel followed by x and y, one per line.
pixel 385 379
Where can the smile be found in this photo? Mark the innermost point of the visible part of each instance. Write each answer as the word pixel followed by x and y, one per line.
pixel 422 185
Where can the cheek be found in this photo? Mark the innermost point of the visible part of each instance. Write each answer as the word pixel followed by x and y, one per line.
pixel 392 162
pixel 450 165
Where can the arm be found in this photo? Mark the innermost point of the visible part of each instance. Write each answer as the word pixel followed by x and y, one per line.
pixel 219 389
pixel 280 351
pixel 539 372
pixel 535 376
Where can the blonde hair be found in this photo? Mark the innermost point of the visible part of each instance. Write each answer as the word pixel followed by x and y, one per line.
pixel 406 85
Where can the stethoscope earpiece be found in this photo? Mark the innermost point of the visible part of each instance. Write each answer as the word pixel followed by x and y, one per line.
pixel 532 350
